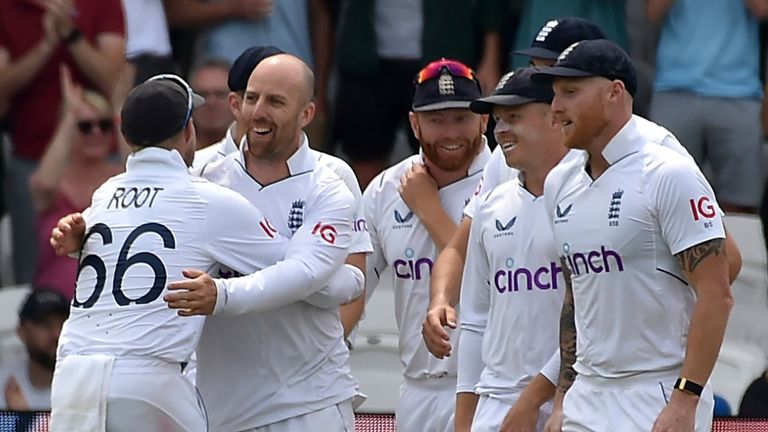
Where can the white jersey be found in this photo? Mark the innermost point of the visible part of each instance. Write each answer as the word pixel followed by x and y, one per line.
pixel 511 294
pixel 402 242
pixel 214 152
pixel 361 242
pixel 143 228
pixel 619 235
pixel 291 352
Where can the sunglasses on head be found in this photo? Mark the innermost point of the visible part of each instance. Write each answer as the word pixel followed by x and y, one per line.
pixel 86 126
pixel 434 69
pixel 183 84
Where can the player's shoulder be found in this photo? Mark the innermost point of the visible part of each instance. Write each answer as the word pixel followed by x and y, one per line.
pixel 340 167
pixel 326 182
pixel 218 169
pixel 205 157
pixel 569 166
pixel 391 176
pixel 499 196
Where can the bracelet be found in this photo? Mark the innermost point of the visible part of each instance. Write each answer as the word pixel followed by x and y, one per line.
pixel 73 36
pixel 688 386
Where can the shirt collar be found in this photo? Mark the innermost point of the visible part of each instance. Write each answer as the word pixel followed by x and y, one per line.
pixel 626 141
pixel 157 159
pixel 300 161
pixel 228 144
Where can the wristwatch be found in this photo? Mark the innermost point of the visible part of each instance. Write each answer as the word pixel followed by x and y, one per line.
pixel 689 386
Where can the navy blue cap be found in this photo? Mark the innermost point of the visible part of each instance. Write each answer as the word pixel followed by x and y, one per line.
pixel 558 34
pixel 592 58
pixel 43 302
pixel 445 91
pixel 515 88
pixel 245 64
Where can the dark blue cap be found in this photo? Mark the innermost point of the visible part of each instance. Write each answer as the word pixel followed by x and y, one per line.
pixel 515 88
pixel 558 34
pixel 245 64
pixel 592 58
pixel 43 302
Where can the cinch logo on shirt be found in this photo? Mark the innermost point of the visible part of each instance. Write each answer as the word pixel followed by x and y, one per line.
pixel 596 261
pixel 521 278
pixel 504 229
pixel 412 269
pixel 359 225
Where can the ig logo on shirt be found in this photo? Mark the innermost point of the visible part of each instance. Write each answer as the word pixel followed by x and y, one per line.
pixel 703 208
pixel 326 232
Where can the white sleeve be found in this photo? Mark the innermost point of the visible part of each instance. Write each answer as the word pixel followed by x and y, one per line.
pixel 375 263
pixel 346 284
pixel 314 252
pixel 474 307
pixel 245 241
pixel 551 370
pixel 685 204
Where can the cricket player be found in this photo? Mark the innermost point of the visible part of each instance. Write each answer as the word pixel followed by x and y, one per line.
pixel 639 228
pixel 512 287
pixel 412 210
pixel 268 360
pixel 121 352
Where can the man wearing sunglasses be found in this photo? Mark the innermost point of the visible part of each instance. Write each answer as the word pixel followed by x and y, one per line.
pixel 121 353
pixel 412 210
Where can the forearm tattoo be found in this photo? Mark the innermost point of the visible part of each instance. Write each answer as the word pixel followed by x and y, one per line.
pixel 567 334
pixel 690 258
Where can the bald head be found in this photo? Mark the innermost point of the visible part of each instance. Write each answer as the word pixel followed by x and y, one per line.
pixel 287 71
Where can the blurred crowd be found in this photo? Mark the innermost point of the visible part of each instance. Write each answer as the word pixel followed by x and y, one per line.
pixel 66 66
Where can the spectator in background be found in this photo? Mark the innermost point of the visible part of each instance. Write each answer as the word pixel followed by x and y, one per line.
pixel 382 45
pixel 213 118
pixel 148 44
pixel 610 16
pixel 707 90
pixel 35 38
pixel 754 403
pixel 298 27
pixel 27 382
pixel 74 164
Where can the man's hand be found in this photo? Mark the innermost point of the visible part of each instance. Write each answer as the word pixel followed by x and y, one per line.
pixel 252 9
pixel 555 421
pixel 14 396
pixel 419 190
pixel 67 235
pixel 435 337
pixel 521 417
pixel 63 13
pixel 679 415
pixel 195 296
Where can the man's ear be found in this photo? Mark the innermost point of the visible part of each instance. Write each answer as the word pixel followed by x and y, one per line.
pixel 307 115
pixel 235 103
pixel 415 126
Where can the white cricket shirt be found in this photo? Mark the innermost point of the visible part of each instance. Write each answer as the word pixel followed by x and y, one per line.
pixel 511 294
pixel 619 235
pixel 214 152
pixel 285 357
pixel 143 228
pixel 402 242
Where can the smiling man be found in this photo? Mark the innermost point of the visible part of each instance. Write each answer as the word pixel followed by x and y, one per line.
pixel 412 210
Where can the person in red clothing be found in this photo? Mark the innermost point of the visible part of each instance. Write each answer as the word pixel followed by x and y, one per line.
pixel 74 164
pixel 36 37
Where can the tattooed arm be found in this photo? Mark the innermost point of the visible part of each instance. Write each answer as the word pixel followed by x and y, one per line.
pixel 705 266
pixel 567 352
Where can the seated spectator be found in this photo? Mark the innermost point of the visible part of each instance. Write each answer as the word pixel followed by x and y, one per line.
pixel 214 117
pixel 27 381
pixel 73 166
pixel 754 404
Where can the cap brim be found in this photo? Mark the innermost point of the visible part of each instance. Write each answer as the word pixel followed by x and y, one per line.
pixel 197 100
pixel 442 105
pixel 485 105
pixel 548 74
pixel 538 52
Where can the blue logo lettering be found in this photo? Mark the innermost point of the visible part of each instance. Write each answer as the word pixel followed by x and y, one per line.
pixel 403 219
pixel 523 279
pixel 503 227
pixel 412 269
pixel 563 213
pixel 596 261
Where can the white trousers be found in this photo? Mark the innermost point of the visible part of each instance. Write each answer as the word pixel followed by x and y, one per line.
pixel 631 404
pixel 336 418
pixel 490 413
pixel 426 405
pixel 152 395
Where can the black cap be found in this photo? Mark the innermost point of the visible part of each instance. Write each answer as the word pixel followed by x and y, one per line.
pixel 445 91
pixel 157 109
pixel 592 58
pixel 245 64
pixel 41 303
pixel 558 34
pixel 515 88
